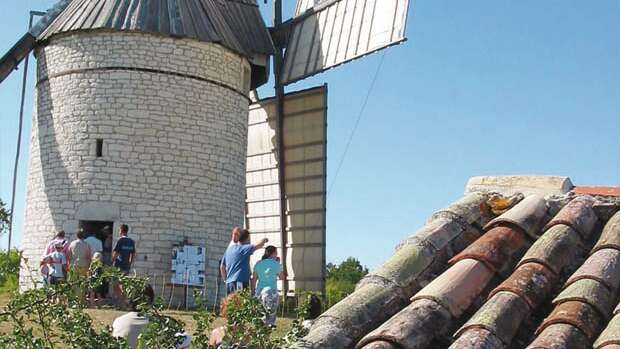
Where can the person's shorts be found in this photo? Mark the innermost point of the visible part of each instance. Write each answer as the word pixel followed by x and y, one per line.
pixel 233 287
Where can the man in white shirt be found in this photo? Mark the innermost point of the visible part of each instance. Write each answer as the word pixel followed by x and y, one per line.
pixel 95 244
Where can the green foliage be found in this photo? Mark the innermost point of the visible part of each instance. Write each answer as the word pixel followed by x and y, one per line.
pixel 55 317
pixel 4 218
pixel 341 279
pixel 9 270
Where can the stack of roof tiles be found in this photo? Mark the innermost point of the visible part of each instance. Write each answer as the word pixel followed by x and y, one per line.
pixel 544 274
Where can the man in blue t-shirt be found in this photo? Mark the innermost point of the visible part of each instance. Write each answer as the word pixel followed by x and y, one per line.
pixel 235 266
pixel 124 251
pixel 123 258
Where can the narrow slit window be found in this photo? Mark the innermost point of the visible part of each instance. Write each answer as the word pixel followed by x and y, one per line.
pixel 99 151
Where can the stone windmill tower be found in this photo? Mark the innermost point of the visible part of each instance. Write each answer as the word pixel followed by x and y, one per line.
pixel 141 114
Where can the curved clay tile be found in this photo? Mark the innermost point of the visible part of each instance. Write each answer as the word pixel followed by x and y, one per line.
pixel 380 295
pixel 588 291
pixel 617 311
pixel 382 345
pixel 497 249
pixel 414 327
pixel 405 266
pixel 558 248
pixel 603 266
pixel 477 338
pixel 611 334
pixel 501 315
pixel 529 215
pixel 458 287
pixel 610 238
pixel 578 314
pixel 470 209
pixel 352 317
pixel 560 336
pixel 577 214
pixel 440 232
pixel 532 281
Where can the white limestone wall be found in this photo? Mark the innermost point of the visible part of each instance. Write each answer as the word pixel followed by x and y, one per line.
pixel 172 114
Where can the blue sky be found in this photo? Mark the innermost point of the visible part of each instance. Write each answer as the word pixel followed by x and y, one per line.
pixel 480 88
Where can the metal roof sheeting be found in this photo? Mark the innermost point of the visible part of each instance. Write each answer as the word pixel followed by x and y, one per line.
pixel 334 32
pixel 236 24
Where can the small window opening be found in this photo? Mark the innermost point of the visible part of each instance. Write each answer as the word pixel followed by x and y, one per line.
pixel 99 150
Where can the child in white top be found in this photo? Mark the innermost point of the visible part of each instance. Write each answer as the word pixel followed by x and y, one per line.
pixel 57 265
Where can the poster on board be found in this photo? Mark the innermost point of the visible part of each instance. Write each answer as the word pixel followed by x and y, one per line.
pixel 188 265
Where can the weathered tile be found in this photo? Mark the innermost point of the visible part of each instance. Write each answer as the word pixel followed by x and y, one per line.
pixel 529 215
pixel 610 335
pixel 381 345
pixel 458 287
pixel 351 318
pixel 404 267
pixel 558 248
pixel 588 291
pixel 532 281
pixel 560 336
pixel 477 338
pixel 498 249
pixel 581 315
pixel 610 237
pixel 414 327
pixel 501 315
pixel 471 208
pixel 577 214
pixel 603 265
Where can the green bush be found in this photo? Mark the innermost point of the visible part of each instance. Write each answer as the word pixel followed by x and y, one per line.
pixel 9 270
pixel 55 317
pixel 341 279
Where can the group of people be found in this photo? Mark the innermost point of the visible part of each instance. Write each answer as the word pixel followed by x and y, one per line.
pixel 63 258
pixel 262 280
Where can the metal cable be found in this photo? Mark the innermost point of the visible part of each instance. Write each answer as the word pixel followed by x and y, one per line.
pixel 357 122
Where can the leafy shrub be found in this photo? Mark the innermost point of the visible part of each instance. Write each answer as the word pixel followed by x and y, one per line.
pixel 54 317
pixel 341 279
pixel 9 270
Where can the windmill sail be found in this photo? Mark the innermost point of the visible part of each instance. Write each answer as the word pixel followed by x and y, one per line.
pixel 23 47
pixel 327 33
pixel 305 115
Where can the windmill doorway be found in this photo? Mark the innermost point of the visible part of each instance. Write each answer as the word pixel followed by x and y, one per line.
pixel 103 231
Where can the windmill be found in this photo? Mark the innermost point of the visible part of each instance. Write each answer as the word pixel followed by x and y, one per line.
pixel 141 118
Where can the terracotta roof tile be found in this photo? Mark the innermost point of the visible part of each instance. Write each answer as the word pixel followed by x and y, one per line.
pixel 414 327
pixel 578 314
pixel 577 214
pixel 588 291
pixel 558 249
pixel 603 266
pixel 610 336
pixel 457 287
pixel 388 289
pixel 501 315
pixel 393 309
pixel 602 191
pixel 477 338
pixel 610 238
pixel 533 282
pixel 560 336
pixel 497 248
pixel 528 215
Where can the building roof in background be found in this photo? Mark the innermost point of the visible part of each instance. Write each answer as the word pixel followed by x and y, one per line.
pixel 519 262
pixel 236 24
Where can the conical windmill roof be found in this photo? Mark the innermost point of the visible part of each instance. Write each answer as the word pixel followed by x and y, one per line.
pixel 235 24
